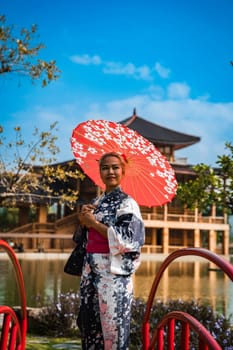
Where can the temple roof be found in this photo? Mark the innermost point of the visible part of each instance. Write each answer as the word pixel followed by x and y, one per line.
pixel 159 135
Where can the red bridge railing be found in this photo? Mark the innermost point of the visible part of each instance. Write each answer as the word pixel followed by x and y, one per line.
pixel 206 341
pixel 14 326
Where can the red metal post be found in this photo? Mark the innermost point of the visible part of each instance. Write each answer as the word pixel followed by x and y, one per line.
pixel 146 336
pixel 160 336
pixel 171 334
pixel 203 345
pixel 13 336
pixel 5 331
pixel 8 312
pixel 185 335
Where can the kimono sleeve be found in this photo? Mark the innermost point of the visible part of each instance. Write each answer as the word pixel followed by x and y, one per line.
pixel 127 234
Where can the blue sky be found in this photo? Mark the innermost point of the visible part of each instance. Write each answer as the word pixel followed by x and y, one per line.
pixel 168 59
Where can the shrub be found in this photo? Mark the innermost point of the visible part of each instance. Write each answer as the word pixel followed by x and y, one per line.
pixel 58 319
pixel 218 325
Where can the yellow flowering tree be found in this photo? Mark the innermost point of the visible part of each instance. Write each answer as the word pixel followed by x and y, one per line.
pixel 19 51
pixel 29 172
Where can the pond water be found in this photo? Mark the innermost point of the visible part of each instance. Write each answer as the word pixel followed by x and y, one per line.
pixel 45 280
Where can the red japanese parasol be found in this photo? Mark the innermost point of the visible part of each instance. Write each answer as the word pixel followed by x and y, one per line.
pixel 149 178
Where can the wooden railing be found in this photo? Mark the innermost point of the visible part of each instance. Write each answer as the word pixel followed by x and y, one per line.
pixel 36 227
pixel 54 227
pixel 184 218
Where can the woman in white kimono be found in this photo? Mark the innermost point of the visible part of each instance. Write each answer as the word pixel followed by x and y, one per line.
pixel 115 236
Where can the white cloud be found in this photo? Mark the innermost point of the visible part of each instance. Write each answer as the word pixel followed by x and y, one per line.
pixel 162 71
pixel 211 121
pixel 156 92
pixel 208 120
pixel 119 69
pixel 129 69
pixel 86 59
pixel 178 91
pixel 171 106
pixel 144 73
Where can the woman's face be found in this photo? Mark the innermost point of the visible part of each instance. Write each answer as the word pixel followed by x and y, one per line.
pixel 111 172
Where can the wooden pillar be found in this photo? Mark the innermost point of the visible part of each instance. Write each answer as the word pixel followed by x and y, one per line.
pixel 43 211
pixel 196 214
pixel 225 243
pixel 153 236
pixel 185 238
pixel 165 212
pixel 23 215
pixel 154 213
pixel 165 240
pixel 213 210
pixel 38 243
pixel 59 212
pixel 212 240
pixel 197 238
pixel 225 218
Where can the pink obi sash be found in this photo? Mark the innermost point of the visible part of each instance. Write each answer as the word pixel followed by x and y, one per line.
pixel 96 242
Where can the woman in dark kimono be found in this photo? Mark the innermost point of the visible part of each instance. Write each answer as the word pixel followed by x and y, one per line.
pixel 115 236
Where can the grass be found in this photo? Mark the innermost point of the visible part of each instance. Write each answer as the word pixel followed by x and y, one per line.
pixel 45 343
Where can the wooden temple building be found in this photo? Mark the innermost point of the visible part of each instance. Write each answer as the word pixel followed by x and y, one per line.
pixel 168 227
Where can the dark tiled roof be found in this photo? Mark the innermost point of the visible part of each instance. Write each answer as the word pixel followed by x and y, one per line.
pixel 158 134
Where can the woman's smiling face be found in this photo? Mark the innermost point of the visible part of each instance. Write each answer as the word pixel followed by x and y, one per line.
pixel 111 172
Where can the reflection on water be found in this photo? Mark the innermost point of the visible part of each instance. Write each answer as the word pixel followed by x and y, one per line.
pixel 45 279
pixel 188 280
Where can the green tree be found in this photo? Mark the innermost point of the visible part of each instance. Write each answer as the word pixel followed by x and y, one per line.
pixel 210 185
pixel 19 54
pixel 225 173
pixel 28 171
